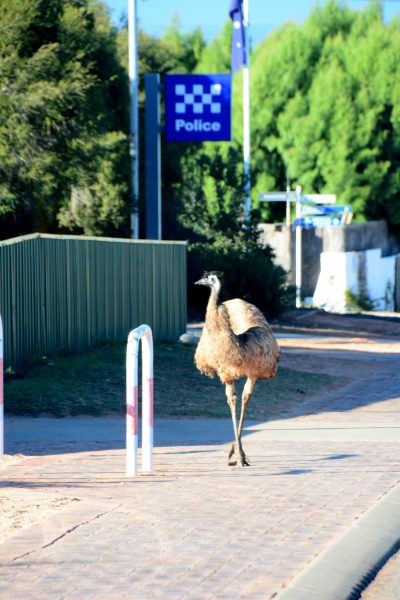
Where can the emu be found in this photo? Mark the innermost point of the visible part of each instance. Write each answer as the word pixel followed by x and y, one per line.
pixel 236 342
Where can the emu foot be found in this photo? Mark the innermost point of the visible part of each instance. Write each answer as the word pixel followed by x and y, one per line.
pixel 235 458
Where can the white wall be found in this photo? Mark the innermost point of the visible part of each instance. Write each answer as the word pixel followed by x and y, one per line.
pixel 341 271
pixel 381 279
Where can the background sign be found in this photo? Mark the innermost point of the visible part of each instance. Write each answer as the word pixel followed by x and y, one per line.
pixel 198 108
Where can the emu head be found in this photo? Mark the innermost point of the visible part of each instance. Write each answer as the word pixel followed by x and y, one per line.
pixel 212 279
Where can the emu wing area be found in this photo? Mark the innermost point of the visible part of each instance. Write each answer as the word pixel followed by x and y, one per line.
pixel 237 342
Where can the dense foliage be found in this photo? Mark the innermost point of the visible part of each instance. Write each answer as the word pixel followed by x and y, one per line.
pixel 63 120
pixel 328 95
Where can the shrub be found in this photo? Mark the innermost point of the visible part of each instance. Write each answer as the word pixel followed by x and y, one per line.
pixel 249 275
pixel 358 301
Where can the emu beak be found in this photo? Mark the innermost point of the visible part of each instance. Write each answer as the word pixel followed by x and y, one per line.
pixel 202 281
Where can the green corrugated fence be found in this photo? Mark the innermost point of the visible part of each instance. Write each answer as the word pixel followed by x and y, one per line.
pixel 69 292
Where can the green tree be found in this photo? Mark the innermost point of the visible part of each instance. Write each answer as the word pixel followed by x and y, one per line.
pixel 216 55
pixel 63 120
pixel 186 48
pixel 327 98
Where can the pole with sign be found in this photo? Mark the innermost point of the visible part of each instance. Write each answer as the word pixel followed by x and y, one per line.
pixel 299 262
pixel 153 156
pixel 308 214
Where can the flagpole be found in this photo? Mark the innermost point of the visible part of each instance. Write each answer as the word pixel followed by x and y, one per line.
pixel 246 112
pixel 134 126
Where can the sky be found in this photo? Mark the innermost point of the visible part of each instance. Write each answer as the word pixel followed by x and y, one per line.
pixel 210 15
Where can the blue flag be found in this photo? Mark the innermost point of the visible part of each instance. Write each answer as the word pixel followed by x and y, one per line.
pixel 238 49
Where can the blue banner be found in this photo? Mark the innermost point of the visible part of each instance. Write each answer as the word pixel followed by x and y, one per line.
pixel 197 108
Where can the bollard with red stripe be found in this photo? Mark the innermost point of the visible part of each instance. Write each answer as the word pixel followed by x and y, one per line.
pixel 144 336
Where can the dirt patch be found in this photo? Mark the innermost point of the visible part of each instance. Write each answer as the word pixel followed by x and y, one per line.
pixel 343 346
pixel 316 321
pixel 20 507
pixel 334 366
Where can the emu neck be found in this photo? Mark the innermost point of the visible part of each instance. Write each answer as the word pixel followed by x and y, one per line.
pixel 212 307
pixel 217 318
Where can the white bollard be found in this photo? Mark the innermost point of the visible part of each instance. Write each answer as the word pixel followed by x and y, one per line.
pixel 144 335
pixel 1 391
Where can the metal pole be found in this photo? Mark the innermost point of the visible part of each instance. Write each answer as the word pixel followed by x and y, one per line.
pixel 298 248
pixel 288 206
pixel 246 111
pixel 153 156
pixel 134 121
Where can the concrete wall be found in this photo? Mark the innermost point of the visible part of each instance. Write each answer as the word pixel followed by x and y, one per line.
pixel 360 257
pixel 358 237
pixel 359 272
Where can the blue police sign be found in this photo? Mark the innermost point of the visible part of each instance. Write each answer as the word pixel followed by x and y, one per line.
pixel 197 108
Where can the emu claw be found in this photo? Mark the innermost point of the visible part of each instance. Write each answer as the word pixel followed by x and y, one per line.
pixel 245 462
pixel 232 452
pixel 238 457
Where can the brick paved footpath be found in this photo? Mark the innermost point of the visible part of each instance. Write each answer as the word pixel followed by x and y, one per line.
pixel 196 528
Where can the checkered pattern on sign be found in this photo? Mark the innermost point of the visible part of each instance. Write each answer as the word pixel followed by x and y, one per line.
pixel 197 98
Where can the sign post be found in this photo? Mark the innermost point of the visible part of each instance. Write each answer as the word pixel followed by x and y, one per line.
pixel 153 156
pixel 309 214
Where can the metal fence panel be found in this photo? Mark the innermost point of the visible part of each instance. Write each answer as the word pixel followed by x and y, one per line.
pixel 69 292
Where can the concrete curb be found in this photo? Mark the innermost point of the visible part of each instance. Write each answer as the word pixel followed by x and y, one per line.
pixel 347 566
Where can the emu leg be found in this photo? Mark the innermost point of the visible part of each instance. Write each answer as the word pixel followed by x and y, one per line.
pixel 246 395
pixel 236 448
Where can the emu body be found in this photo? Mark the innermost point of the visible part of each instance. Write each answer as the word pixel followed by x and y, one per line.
pixel 236 342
